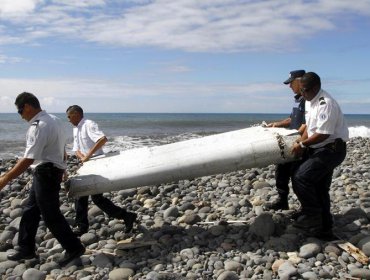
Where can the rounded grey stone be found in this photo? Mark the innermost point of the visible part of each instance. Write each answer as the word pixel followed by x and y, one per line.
pixel 33 274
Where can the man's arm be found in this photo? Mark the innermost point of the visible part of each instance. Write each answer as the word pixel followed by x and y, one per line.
pixel 17 170
pixel 302 130
pixel 98 144
pixel 282 123
pixel 79 155
pixel 314 139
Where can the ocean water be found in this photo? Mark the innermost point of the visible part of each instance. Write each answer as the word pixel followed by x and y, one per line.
pixel 130 130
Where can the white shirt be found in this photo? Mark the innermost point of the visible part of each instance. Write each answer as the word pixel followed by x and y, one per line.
pixel 324 116
pixel 85 135
pixel 46 140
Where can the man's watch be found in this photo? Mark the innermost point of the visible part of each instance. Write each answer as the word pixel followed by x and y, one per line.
pixel 302 145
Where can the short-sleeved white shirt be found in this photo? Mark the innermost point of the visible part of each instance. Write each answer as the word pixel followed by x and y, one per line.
pixel 46 139
pixel 324 116
pixel 85 135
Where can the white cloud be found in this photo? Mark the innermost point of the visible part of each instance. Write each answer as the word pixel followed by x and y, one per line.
pixel 6 102
pixel 80 3
pixel 56 95
pixel 190 25
pixel 178 69
pixel 111 96
pixel 16 8
pixel 7 59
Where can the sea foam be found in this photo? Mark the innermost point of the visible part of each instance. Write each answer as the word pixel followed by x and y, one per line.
pixel 359 131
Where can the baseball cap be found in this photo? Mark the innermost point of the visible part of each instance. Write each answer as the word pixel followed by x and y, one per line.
pixel 293 75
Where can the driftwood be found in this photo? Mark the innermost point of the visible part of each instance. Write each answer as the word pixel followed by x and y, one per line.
pixel 223 222
pixel 132 244
pixel 354 252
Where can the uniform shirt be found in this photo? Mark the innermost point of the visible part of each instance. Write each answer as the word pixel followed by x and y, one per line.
pixel 298 112
pixel 324 116
pixel 85 135
pixel 46 140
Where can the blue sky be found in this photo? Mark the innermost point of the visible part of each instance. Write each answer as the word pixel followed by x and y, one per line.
pixel 222 56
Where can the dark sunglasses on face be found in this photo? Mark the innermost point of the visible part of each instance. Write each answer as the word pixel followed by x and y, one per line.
pixel 303 90
pixel 20 110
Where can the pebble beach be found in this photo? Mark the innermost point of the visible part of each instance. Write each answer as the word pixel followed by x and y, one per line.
pixel 213 227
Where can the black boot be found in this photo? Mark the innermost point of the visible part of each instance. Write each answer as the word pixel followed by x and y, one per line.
pixel 296 214
pixel 326 235
pixel 80 229
pixel 69 256
pixel 21 255
pixel 130 219
pixel 309 222
pixel 281 203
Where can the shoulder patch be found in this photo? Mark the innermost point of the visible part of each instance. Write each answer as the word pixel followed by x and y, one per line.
pixel 323 116
pixel 322 101
pixel 36 122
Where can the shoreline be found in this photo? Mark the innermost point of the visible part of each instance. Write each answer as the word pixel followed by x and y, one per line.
pixel 185 223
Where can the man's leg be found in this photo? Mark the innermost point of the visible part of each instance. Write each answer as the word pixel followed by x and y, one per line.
pixel 82 221
pixel 327 219
pixel 114 211
pixel 311 183
pixel 27 229
pixel 282 177
pixel 47 186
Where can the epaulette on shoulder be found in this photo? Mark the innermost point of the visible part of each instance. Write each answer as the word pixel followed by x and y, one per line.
pixel 36 122
pixel 322 100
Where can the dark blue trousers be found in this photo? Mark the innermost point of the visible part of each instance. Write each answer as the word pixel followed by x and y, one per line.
pixel 312 179
pixel 282 177
pixel 81 207
pixel 44 202
pixel 283 174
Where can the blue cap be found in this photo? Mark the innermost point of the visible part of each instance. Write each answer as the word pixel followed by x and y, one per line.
pixel 294 75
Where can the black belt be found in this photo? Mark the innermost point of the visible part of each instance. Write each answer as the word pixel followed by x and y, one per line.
pixel 47 165
pixel 338 142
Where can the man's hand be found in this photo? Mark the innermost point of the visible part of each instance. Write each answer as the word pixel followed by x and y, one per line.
pixel 81 156
pixel 297 150
pixel 283 123
pixel 21 166
pixel 84 159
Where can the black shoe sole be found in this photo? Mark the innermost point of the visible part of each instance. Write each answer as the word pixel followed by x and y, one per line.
pixel 71 256
pixel 20 257
pixel 129 223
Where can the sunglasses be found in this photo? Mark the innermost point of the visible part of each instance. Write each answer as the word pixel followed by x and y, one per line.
pixel 303 90
pixel 20 110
